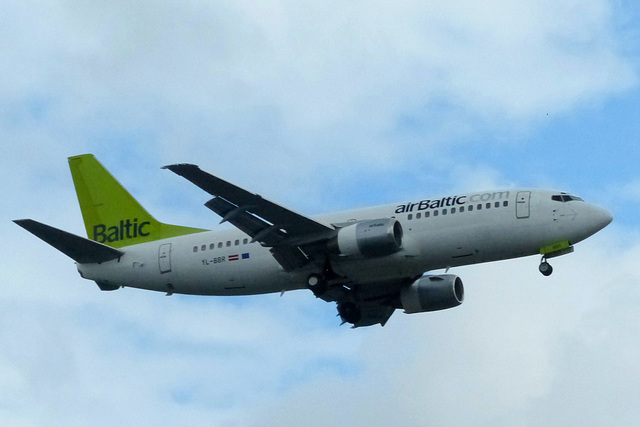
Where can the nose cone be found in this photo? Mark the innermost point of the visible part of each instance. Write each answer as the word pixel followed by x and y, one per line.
pixel 599 218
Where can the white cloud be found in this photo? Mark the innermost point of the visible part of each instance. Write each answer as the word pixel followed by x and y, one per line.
pixel 323 95
pixel 629 191
pixel 309 80
pixel 300 102
pixel 522 350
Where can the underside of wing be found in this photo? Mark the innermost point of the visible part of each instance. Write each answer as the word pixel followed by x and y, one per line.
pixel 367 305
pixel 375 302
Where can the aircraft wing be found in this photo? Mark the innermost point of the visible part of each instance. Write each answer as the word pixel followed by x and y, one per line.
pixel 287 233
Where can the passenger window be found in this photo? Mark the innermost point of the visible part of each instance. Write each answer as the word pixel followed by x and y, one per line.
pixel 479 207
pixel 410 217
pixel 470 208
pixel 488 206
pixel 195 249
pixel 237 242
pixel 245 241
pixel 497 205
pixel 461 209
pixel 228 243
pixel 444 211
pixel 418 215
pixel 219 244
pixel 453 210
pixel 435 213
pixel 505 203
pixel 426 214
pixel 212 246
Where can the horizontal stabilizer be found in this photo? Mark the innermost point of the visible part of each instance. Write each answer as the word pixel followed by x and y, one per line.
pixel 81 250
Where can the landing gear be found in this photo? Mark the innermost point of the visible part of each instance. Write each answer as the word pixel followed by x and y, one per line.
pixel 552 251
pixel 349 312
pixel 317 284
pixel 545 268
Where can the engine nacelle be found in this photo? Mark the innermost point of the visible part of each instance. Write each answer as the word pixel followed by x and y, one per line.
pixel 370 238
pixel 431 293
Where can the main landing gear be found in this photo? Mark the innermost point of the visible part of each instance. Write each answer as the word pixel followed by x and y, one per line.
pixel 545 268
pixel 317 284
pixel 349 312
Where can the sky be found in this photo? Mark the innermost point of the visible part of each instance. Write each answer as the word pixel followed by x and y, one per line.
pixel 321 106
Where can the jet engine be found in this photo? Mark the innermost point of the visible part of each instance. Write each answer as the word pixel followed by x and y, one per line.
pixel 370 238
pixel 431 293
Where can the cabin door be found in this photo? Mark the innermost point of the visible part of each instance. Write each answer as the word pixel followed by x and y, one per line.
pixel 522 204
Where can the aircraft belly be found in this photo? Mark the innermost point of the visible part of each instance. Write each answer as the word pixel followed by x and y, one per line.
pixel 490 239
pixel 255 273
pixel 511 238
pixel 195 274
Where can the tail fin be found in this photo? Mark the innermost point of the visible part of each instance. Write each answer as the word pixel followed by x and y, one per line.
pixel 111 215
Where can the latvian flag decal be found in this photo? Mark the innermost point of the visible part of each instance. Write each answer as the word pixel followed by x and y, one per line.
pixel 236 257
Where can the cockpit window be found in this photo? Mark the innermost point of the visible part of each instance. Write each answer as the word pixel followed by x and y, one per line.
pixel 564 197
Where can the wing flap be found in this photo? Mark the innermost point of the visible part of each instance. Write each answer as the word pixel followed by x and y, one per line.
pixel 374 313
pixel 81 250
pixel 289 257
pixel 259 229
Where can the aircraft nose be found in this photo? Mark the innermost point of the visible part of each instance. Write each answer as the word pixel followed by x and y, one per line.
pixel 600 217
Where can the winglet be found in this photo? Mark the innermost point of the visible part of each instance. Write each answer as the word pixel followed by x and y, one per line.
pixel 81 250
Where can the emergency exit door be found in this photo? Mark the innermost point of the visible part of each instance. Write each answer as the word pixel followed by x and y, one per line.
pixel 164 258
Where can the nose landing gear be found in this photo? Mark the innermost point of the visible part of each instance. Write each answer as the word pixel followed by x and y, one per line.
pixel 545 268
pixel 552 251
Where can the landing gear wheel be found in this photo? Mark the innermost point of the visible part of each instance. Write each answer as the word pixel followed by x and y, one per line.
pixel 545 268
pixel 349 312
pixel 316 284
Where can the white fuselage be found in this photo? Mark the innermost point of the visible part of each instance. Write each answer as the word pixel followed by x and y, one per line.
pixel 438 233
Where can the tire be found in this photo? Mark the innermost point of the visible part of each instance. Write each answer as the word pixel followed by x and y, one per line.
pixel 316 284
pixel 546 269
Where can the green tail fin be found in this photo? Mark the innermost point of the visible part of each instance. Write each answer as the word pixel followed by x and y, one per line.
pixel 111 215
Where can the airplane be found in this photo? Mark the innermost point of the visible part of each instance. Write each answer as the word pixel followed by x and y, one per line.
pixel 369 261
